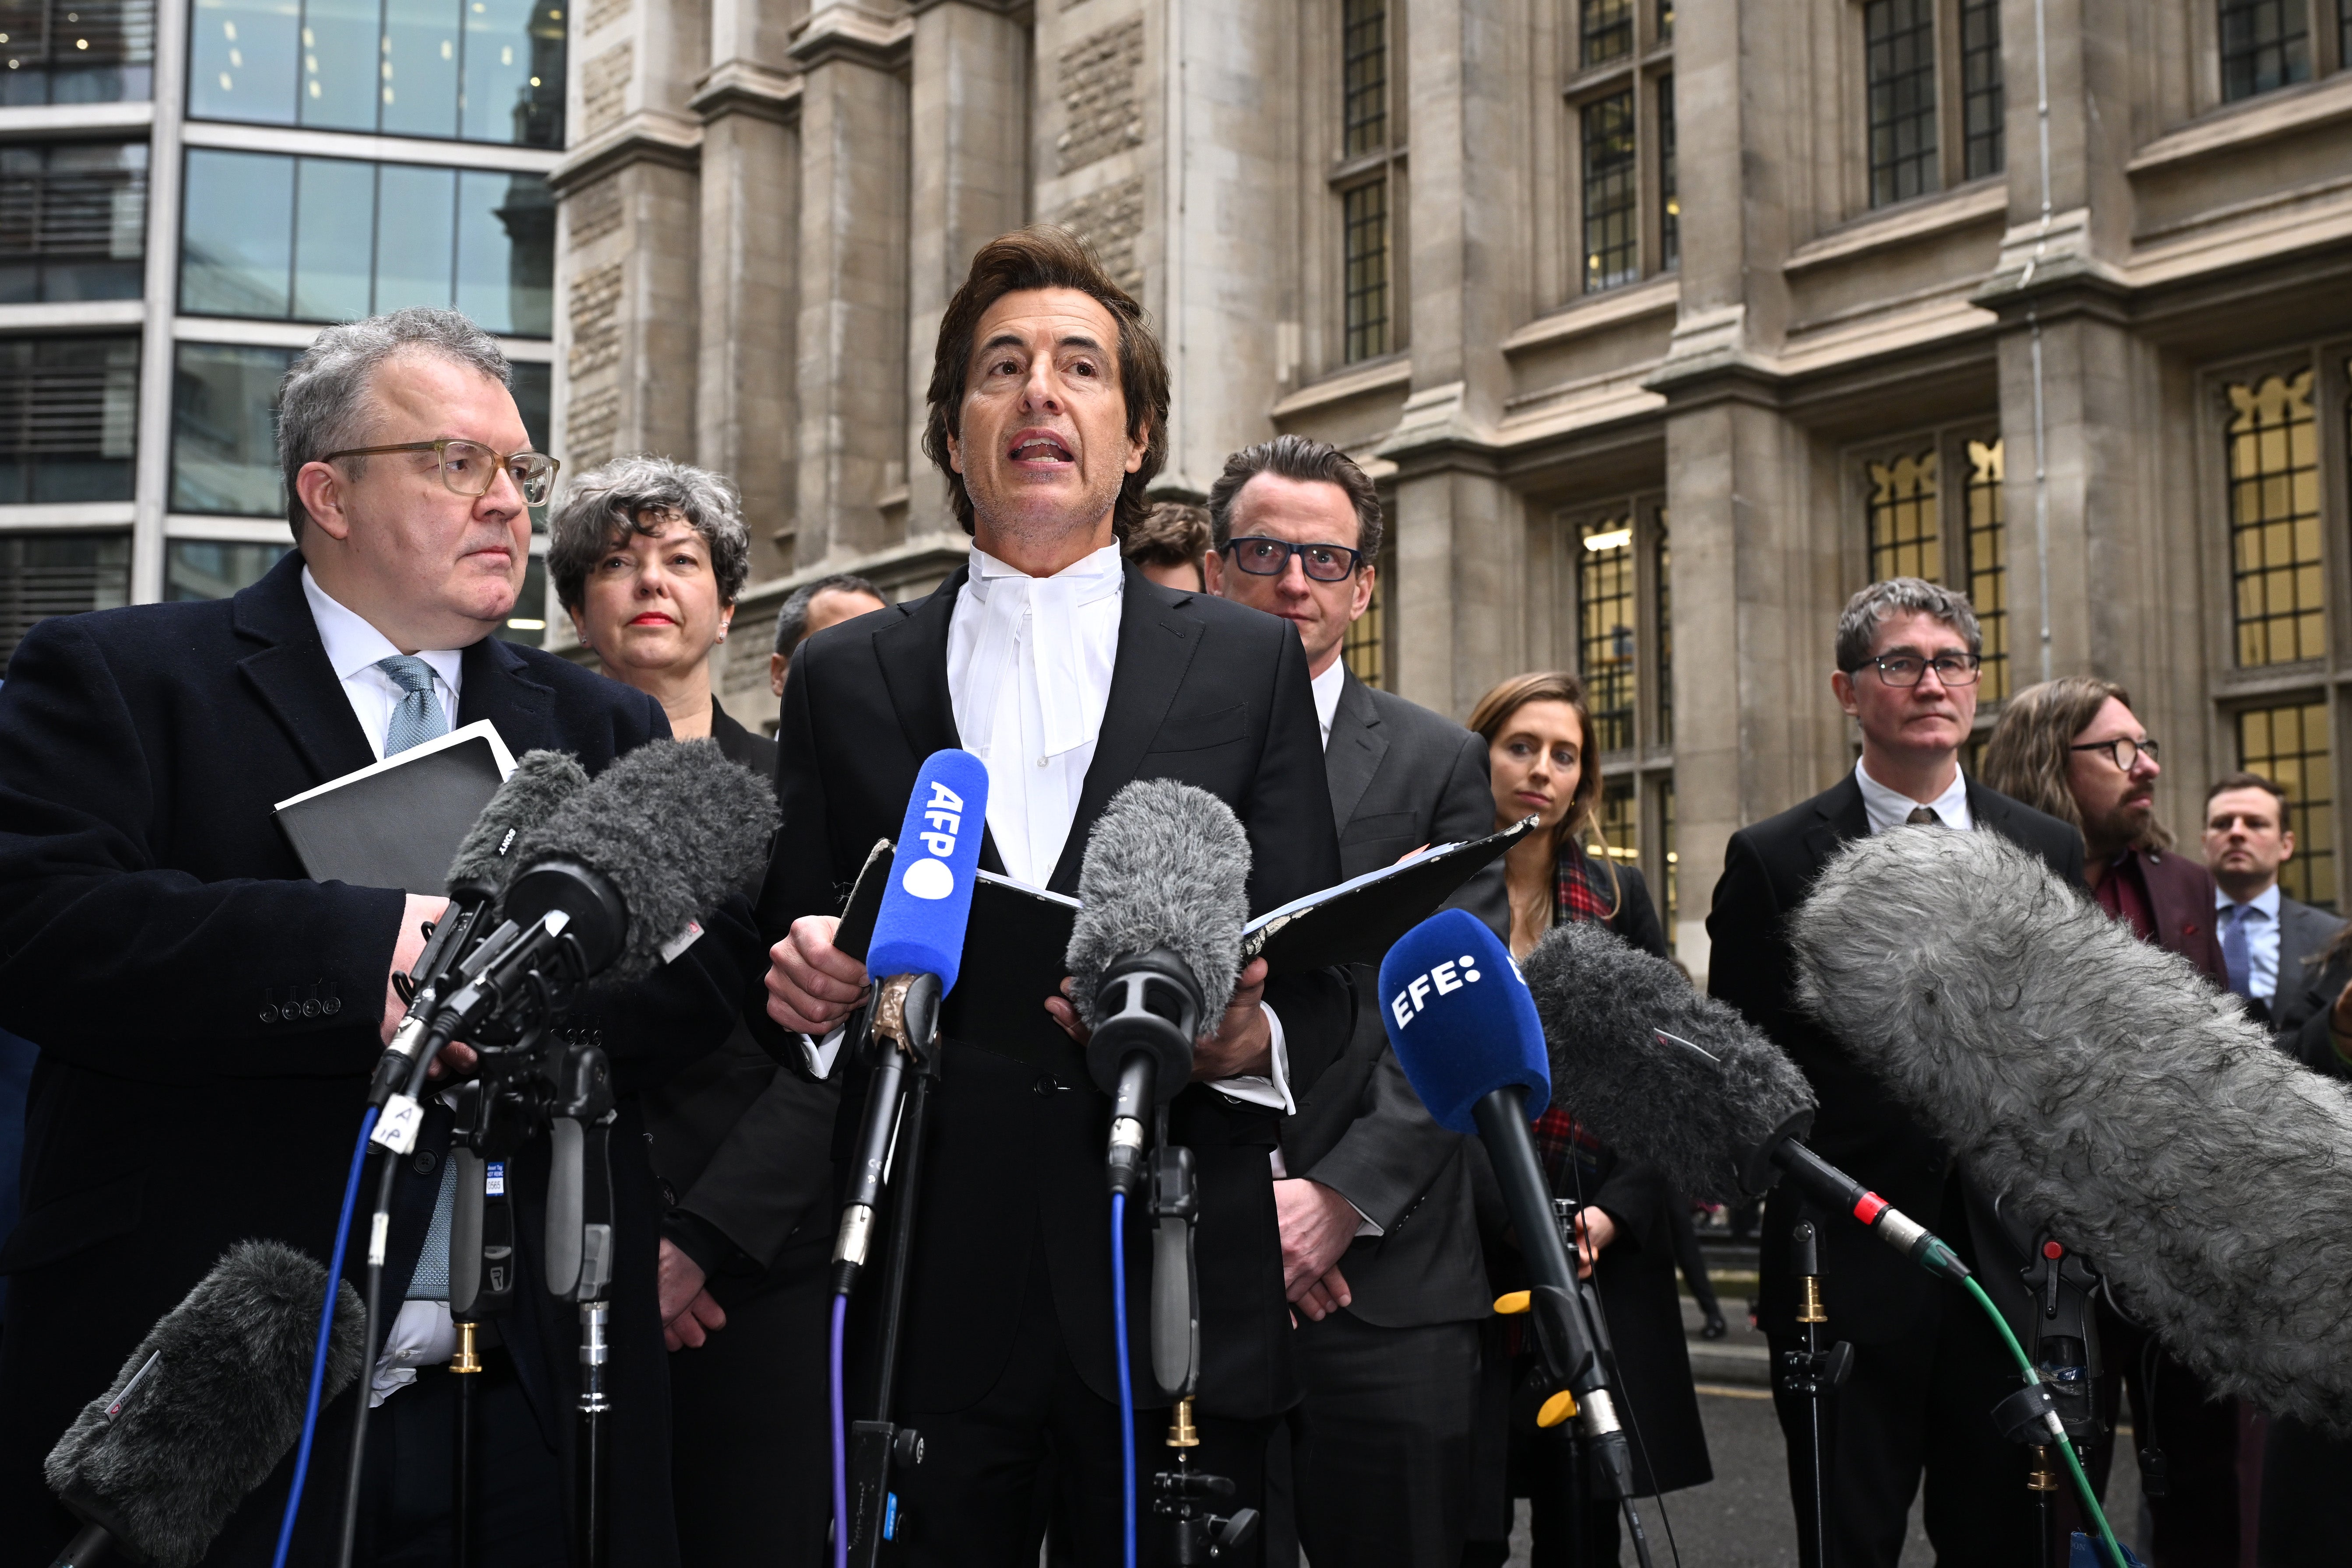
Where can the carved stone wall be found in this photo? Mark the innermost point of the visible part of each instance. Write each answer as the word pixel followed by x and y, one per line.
pixel 1099 79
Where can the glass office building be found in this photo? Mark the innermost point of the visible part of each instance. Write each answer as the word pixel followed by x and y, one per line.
pixel 189 189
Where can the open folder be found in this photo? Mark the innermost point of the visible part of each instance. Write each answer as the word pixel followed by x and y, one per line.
pixel 1015 942
pixel 397 824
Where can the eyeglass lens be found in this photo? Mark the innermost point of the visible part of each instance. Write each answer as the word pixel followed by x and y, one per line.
pixel 1952 670
pixel 1271 557
pixel 471 469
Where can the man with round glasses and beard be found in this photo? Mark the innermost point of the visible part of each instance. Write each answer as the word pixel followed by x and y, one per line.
pixel 209 1015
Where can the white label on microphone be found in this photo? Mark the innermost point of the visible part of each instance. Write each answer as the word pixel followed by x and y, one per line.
pixel 1444 980
pixel 929 879
pixel 682 941
pixel 397 1128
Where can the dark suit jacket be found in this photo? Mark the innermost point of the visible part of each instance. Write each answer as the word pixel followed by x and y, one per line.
pixel 2304 935
pixel 1402 777
pixel 742 1148
pixel 2180 899
pixel 1768 869
pixel 149 907
pixel 1202 691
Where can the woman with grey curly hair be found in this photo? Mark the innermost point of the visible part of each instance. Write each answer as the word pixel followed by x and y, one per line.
pixel 647 556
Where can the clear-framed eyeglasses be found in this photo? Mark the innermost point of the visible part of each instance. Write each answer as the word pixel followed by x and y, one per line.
pixel 470 469
pixel 1910 669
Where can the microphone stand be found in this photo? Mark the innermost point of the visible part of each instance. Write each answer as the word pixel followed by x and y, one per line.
pixel 1812 1374
pixel 906 1014
pixel 481 1277
pixel 1596 1328
pixel 1181 1494
pixel 580 1267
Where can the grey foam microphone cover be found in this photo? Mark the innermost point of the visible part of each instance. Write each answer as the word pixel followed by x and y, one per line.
pixel 1602 1003
pixel 1166 866
pixel 219 1406
pixel 2100 1087
pixel 541 781
pixel 675 826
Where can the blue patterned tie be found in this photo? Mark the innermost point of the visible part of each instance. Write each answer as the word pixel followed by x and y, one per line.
pixel 2237 953
pixel 430 1283
pixel 416 717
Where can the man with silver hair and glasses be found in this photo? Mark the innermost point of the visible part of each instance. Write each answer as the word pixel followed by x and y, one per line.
pixel 647 556
pixel 1927 1368
pixel 210 1016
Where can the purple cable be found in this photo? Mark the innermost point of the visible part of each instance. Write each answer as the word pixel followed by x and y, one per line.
pixel 840 1443
pixel 1119 1353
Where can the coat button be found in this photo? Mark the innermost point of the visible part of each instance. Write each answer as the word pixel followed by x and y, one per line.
pixel 425 1160
pixel 1046 1086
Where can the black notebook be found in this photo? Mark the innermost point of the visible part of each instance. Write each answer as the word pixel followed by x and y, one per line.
pixel 1015 942
pixel 398 822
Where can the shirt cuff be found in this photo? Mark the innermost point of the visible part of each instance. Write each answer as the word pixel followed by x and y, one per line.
pixel 1255 1089
pixel 821 1054
pixel 422 1335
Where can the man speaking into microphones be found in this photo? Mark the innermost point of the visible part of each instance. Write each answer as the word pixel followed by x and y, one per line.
pixel 1069 675
pixel 209 1016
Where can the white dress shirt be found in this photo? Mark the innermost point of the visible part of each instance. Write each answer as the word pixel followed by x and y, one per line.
pixel 422 1333
pixel 1891 807
pixel 2260 916
pixel 1326 688
pixel 1029 671
pixel 353 649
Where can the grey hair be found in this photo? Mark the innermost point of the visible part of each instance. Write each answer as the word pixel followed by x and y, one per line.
pixel 609 503
pixel 1305 459
pixel 322 403
pixel 1858 624
pixel 791 621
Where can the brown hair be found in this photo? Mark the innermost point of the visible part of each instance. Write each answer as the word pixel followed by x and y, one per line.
pixel 2026 757
pixel 2247 781
pixel 1047 255
pixel 1308 461
pixel 1173 533
pixel 1508 696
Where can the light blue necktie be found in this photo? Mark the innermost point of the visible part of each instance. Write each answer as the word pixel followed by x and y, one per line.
pixel 2237 951
pixel 430 1283
pixel 417 716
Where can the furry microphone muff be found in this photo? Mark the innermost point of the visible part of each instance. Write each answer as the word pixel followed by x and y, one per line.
pixel 1167 866
pixel 2101 1088
pixel 206 1405
pixel 1659 1072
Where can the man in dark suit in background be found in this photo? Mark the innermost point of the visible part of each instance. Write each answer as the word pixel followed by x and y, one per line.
pixel 2269 943
pixel 1380 1242
pixel 161 942
pixel 1927 1367
pixel 1070 675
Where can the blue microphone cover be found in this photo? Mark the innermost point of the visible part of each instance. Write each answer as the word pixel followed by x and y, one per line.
pixel 918 930
pixel 1461 1020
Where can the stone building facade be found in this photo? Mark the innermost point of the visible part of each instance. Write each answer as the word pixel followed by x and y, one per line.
pixel 1665 324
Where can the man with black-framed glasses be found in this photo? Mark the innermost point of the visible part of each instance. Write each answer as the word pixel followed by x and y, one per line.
pixel 1926 1366
pixel 1382 1454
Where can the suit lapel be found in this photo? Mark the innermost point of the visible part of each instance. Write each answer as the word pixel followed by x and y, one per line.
pixel 293 675
pixel 1840 819
pixel 496 688
pixel 1355 751
pixel 1155 645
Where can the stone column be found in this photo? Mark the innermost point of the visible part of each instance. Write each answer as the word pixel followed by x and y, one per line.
pixel 852 326
pixel 969 157
pixel 747 388
pixel 1461 530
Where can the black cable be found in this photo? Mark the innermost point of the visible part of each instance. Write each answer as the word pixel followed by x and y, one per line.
pixel 365 1387
pixel 1632 1422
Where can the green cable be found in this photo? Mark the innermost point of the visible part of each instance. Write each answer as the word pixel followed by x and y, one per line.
pixel 2082 1481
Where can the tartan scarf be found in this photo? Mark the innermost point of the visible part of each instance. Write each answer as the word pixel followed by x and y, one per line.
pixel 1557 1136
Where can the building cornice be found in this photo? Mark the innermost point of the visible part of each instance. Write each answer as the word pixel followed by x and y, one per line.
pixel 857 33
pixel 644 136
pixel 1001 8
pixel 741 87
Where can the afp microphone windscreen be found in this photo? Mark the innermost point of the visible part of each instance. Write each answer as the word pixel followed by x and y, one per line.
pixel 1657 1071
pixel 674 827
pixel 206 1405
pixel 1166 866
pixel 2101 1088
pixel 1461 1020
pixel 918 930
pixel 541 781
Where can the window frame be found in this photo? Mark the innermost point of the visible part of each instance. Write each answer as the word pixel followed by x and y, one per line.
pixel 1951 111
pixel 1949 441
pixel 1345 173
pixel 1651 60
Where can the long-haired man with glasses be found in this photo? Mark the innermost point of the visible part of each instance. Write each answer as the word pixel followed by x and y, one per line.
pixel 1927 1367
pixel 2074 748
pixel 209 1016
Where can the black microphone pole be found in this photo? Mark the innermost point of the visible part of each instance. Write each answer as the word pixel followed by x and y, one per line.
pixel 1812 1374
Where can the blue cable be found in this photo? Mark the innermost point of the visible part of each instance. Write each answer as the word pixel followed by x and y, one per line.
pixel 1119 1355
pixel 840 1442
pixel 318 1352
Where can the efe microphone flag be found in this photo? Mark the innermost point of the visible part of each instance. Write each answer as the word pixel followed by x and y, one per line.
pixel 1461 1020
pixel 919 928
